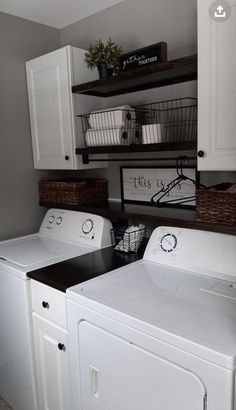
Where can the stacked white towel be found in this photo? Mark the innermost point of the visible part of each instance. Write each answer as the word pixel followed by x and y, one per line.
pixel 115 126
pixel 113 136
pixel 122 116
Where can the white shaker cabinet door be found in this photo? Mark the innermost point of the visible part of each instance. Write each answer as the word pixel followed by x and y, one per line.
pixel 51 365
pixel 217 89
pixel 51 110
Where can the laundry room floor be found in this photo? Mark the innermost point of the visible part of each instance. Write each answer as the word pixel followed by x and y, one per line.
pixel 4 405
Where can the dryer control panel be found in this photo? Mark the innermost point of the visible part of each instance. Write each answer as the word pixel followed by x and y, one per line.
pixel 208 253
pixel 78 227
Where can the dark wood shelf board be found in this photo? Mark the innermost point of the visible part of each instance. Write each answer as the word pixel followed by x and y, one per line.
pixel 116 149
pixel 150 76
pixel 159 216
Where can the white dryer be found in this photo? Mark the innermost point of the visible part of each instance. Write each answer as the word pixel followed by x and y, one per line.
pixel 63 235
pixel 159 333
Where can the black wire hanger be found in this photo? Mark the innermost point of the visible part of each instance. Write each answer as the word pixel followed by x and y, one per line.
pixel 169 187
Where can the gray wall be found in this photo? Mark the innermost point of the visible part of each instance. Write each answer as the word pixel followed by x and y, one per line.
pixel 136 23
pixel 20 40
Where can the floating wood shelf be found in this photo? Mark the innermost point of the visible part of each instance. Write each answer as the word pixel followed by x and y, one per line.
pixel 157 216
pixel 122 149
pixel 150 76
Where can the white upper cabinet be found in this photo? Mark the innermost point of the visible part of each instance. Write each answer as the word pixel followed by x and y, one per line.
pixel 55 134
pixel 217 88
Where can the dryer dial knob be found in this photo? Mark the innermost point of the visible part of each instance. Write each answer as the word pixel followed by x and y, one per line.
pixel 168 242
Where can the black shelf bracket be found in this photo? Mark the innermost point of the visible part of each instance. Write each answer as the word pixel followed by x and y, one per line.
pixel 85 158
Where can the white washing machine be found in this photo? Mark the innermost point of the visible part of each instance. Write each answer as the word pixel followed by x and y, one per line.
pixel 159 333
pixel 63 235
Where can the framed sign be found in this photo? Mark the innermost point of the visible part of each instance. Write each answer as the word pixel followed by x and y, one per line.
pixel 160 187
pixel 154 54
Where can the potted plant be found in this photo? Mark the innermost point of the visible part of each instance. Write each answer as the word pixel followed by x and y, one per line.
pixel 104 56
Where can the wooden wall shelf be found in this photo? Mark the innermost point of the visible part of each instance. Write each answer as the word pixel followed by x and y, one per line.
pixel 150 76
pixel 122 149
pixel 157 216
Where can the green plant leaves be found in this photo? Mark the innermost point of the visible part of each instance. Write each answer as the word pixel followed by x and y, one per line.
pixel 103 53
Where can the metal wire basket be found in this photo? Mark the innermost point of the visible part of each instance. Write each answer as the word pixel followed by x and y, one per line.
pixel 159 122
pixel 116 126
pixel 127 242
pixel 169 121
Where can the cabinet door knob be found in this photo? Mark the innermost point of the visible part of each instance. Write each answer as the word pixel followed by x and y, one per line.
pixel 61 346
pixel 45 305
pixel 67 157
pixel 200 154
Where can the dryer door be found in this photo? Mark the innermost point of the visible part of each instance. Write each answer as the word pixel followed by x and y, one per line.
pixel 116 374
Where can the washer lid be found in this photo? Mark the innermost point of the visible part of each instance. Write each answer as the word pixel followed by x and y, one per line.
pixel 172 304
pixel 36 250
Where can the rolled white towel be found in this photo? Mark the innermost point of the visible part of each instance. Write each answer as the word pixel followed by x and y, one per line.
pixel 123 115
pixel 113 136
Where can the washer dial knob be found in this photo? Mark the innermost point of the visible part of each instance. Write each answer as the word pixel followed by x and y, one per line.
pixel 51 219
pixel 87 226
pixel 168 242
pixel 59 220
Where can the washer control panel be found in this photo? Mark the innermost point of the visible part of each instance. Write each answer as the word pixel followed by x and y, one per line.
pixel 77 227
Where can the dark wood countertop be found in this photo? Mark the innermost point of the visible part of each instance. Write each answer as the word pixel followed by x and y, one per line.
pixel 65 274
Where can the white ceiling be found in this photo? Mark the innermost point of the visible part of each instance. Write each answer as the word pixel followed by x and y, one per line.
pixel 55 13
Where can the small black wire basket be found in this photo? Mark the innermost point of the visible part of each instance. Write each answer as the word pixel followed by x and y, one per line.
pixel 169 121
pixel 128 242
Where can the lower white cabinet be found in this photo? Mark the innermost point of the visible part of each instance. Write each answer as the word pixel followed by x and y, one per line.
pixel 51 365
pixel 50 342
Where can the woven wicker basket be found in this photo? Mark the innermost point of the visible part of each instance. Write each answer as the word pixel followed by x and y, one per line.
pixel 217 204
pixel 73 191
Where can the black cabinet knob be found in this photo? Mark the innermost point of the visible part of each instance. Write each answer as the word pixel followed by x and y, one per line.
pixel 67 157
pixel 61 346
pixel 200 154
pixel 45 305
